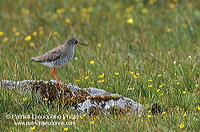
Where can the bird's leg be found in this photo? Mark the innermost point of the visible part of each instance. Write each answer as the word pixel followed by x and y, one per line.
pixel 55 76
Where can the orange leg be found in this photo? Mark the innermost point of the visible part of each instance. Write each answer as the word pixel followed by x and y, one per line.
pixel 54 74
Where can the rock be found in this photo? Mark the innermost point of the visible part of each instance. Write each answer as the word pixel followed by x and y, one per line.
pixel 89 101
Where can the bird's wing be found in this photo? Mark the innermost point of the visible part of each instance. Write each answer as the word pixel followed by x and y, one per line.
pixel 50 56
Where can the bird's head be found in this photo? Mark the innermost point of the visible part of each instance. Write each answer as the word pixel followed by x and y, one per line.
pixel 73 41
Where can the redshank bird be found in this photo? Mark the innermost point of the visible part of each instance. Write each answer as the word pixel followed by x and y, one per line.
pixel 58 56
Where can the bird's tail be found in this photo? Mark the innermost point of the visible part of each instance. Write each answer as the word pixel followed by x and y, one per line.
pixel 35 59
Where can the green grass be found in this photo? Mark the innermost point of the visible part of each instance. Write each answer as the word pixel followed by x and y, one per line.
pixel 161 45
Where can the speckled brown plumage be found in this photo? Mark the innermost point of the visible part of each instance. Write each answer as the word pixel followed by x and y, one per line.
pixel 58 56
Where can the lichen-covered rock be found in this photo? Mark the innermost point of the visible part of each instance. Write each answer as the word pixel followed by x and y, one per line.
pixel 82 100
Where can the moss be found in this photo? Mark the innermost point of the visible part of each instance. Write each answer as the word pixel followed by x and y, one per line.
pixel 99 98
pixel 59 96
pixel 64 97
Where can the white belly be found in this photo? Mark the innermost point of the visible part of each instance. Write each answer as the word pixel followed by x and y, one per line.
pixel 58 63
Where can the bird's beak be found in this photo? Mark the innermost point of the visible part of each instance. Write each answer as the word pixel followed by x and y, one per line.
pixel 81 43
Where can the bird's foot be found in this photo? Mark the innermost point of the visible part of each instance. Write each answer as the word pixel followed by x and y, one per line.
pixel 62 85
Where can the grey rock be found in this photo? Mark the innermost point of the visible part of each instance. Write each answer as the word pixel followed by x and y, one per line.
pixel 94 99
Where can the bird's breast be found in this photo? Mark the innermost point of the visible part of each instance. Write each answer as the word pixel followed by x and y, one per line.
pixel 70 53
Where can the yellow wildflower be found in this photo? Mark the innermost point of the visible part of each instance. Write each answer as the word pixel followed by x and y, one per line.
pixel 157 90
pixel 130 8
pixel 24 98
pixel 184 114
pixel 84 10
pixel 130 21
pixel 137 74
pixel 72 9
pixel 189 5
pixel 150 86
pixel 102 75
pixel 172 6
pixel 40 28
pixel 174 74
pixel 116 6
pixel 55 33
pixel 139 115
pixel 41 32
pixel 129 88
pixel 198 108
pixel 25 11
pixel 149 116
pixel 68 20
pixel 182 126
pixel 59 11
pixel 34 33
pixel 100 81
pixel 163 113
pixel 32 44
pixel 45 99
pixel 17 33
pixel 84 115
pixel 78 80
pixel 159 75
pixel 140 5
pixel 27 38
pixel 168 30
pixel 151 2
pixel 161 94
pixel 144 10
pixel 5 39
pixel 86 77
pixel 131 73
pixel 196 85
pixel 90 9
pixel 116 73
pixel 91 62
pixel 55 15
pixel 66 129
pixel 184 92
pixel 150 80
pixel 1 33
pixel 160 86
pixel 92 122
pixel 92 83
pixel 33 127
pixel 99 45
pixel 14 29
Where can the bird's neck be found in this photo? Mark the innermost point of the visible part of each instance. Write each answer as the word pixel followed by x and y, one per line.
pixel 70 47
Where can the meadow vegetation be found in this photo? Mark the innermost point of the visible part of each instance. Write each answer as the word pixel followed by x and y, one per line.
pixel 147 50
